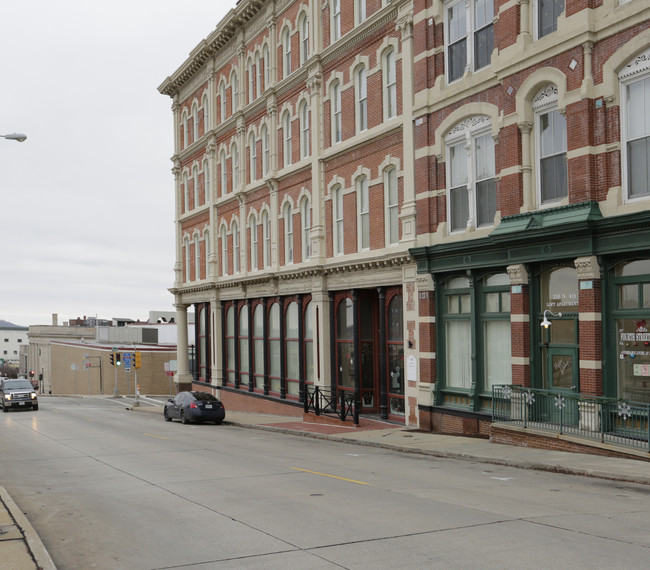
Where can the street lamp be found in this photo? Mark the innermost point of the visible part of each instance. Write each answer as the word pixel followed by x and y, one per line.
pixel 20 137
pixel 546 323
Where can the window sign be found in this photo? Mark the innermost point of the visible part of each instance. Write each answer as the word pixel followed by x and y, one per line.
pixel 633 359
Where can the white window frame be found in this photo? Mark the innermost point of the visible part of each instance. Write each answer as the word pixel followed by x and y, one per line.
pixel 363 213
pixel 197 258
pixel 286 52
pixel 304 130
pixel 545 103
pixel 186 192
pixel 235 167
pixel 391 196
pixel 185 129
pixel 288 234
pixel 186 243
pixel 390 83
pixel 258 75
pixel 251 81
pixel 637 71
pixel 224 251
pixel 195 122
pixel 252 154
pixel 235 92
pixel 361 96
pixel 254 261
pixel 305 224
pixel 338 235
pixel 207 191
pixel 286 139
pixel 223 166
pixel 464 136
pixel 266 236
pixel 303 28
pixel 360 14
pixel 195 178
pixel 266 55
pixel 266 152
pixel 337 123
pixel 236 250
pixel 205 104
pixel 335 34
pixel 475 21
pixel 223 103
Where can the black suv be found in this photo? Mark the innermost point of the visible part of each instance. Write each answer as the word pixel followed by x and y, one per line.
pixel 17 394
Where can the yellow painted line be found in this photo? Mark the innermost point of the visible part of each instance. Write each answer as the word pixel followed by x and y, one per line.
pixel 331 476
pixel 158 436
pixel 89 420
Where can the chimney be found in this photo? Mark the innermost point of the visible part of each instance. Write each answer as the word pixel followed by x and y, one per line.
pixel 55 320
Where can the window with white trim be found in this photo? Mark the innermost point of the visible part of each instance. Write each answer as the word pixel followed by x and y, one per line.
pixel 286 53
pixel 254 266
pixel 195 179
pixel 252 154
pixel 197 258
pixel 547 15
pixel 362 99
pixel 551 146
pixel 236 252
pixel 286 141
pixel 471 174
pixel 258 76
pixel 359 11
pixel 337 217
pixel 235 167
pixel 206 113
pixel 392 205
pixel 185 130
pixel 303 27
pixel 305 223
pixel 207 190
pixel 186 247
pixel 390 84
pixel 336 20
pixel 224 251
pixel 223 101
pixel 469 37
pixel 251 81
pixel 266 157
pixel 206 241
pixel 337 123
pixel 186 192
pixel 266 236
pixel 635 126
pixel 304 130
pixel 363 213
pixel 288 234
pixel 195 120
pixel 224 173
pixel 266 56
pixel 235 92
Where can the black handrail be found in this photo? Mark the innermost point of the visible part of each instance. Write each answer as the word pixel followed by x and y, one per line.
pixel 341 403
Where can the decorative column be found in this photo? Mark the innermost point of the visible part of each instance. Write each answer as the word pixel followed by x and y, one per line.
pixel 526 128
pixel 519 324
pixel 182 378
pixel 317 234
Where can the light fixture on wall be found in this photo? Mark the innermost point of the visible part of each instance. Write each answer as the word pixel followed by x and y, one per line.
pixel 546 323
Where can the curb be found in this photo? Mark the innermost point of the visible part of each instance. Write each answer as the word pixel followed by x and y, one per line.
pixel 38 553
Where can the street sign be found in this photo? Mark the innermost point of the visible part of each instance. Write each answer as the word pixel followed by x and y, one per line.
pixel 127 360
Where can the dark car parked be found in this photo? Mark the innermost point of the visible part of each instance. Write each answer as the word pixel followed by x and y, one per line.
pixel 194 406
pixel 17 394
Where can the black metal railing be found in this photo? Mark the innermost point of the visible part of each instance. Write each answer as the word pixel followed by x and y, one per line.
pixel 608 420
pixel 341 403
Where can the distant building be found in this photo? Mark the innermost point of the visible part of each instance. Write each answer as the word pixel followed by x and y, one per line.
pixel 12 338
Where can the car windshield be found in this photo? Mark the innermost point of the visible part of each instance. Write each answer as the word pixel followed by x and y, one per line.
pixel 204 397
pixel 17 385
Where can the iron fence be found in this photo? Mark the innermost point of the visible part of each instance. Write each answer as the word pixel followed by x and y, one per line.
pixel 608 420
pixel 341 403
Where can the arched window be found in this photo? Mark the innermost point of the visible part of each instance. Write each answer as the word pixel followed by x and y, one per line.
pixel 207 249
pixel 303 27
pixel 236 252
pixel 195 122
pixel 253 255
pixel 361 99
pixel 266 234
pixel 337 124
pixel 197 258
pixel 471 174
pixel 251 81
pixel 286 52
pixel 363 213
pixel 224 251
pixel 252 153
pixel 195 179
pixel 392 206
pixel 304 130
pixel 551 146
pixel 235 167
pixel 266 157
pixel 267 66
pixel 336 20
pixel 305 222
pixel 286 133
pixel 207 190
pixel 187 264
pixel 235 92
pixel 337 217
pixel 288 234
pixel 223 101
pixel 258 75
pixel 635 126
pixel 224 173
pixel 292 347
pixel 206 113
pixel 186 192
pixel 390 84
pixel 185 135
pixel 244 354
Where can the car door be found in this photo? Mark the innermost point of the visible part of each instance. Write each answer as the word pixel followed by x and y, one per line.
pixel 177 405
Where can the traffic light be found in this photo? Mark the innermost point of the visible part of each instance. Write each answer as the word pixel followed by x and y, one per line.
pixel 138 360
pixel 111 359
pixel 118 359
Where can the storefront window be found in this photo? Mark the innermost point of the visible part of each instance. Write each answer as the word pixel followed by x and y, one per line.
pixel 258 346
pixel 345 344
pixel 496 331
pixel 243 346
pixel 230 344
pixel 458 333
pixel 274 347
pixel 292 344
pixel 309 344
pixel 396 353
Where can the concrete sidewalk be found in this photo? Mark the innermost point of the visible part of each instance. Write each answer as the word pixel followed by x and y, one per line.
pixel 22 549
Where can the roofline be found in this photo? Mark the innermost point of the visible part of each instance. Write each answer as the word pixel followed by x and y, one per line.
pixel 225 31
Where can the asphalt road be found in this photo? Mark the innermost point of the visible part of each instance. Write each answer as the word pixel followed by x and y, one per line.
pixel 110 488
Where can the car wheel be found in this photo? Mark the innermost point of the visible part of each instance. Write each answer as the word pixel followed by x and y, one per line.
pixel 183 418
pixel 5 409
pixel 167 418
pixel 35 407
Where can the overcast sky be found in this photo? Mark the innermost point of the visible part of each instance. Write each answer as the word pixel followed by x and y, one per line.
pixel 86 202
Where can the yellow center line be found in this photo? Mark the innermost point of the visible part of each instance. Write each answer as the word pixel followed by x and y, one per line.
pixel 158 436
pixel 330 476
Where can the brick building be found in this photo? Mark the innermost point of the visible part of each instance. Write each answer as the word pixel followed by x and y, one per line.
pixel 388 197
